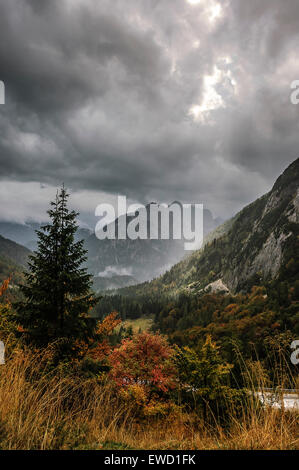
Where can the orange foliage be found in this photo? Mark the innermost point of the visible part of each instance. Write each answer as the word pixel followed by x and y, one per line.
pixel 102 348
pixel 109 323
pixel 98 348
pixel 4 286
pixel 144 360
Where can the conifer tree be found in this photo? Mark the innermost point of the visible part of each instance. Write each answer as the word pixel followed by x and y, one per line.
pixel 204 376
pixel 57 289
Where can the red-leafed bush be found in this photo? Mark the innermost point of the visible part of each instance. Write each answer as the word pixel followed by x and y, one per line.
pixel 146 360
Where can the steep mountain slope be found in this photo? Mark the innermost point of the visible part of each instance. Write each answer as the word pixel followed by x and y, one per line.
pixel 13 259
pixel 250 247
pixel 17 253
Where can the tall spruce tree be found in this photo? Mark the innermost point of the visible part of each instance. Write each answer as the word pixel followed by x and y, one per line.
pixel 57 289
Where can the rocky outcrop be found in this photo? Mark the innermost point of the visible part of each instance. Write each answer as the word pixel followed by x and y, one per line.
pixel 216 286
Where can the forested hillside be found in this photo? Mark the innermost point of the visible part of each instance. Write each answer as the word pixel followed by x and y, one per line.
pixel 13 259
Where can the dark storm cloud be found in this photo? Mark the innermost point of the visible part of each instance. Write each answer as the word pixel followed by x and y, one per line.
pixel 158 99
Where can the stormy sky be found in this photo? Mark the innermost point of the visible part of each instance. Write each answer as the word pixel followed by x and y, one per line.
pixel 158 100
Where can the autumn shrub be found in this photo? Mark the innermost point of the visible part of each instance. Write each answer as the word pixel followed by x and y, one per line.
pixel 100 348
pixel 204 381
pixel 143 371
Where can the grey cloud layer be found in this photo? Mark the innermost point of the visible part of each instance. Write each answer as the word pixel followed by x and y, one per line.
pixel 98 94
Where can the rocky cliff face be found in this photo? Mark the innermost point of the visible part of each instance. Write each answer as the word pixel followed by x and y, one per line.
pixel 247 249
pixel 267 227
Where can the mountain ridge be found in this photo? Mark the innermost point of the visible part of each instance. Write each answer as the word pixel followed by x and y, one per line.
pixel 247 248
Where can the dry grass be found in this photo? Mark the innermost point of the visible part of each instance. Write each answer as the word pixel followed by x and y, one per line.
pixel 54 410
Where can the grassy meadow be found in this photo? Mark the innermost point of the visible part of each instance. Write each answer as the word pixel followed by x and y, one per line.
pixel 42 407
